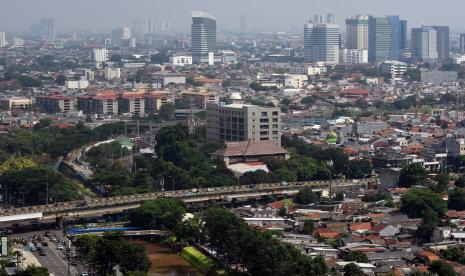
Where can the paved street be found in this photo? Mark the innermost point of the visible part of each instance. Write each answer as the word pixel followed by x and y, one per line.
pixel 55 259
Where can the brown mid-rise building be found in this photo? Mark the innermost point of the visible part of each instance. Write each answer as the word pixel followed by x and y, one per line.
pixel 235 121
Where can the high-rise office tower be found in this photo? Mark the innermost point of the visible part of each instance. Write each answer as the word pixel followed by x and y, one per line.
pixel 442 33
pixel 2 39
pixel 330 18
pixel 424 44
pixel 387 37
pixel 357 32
pixel 321 43
pixel 243 24
pixel 45 28
pixel 120 36
pixel 462 43
pixel 203 36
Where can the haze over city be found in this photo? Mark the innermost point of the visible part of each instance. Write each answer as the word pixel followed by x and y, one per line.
pixel 239 137
pixel 263 15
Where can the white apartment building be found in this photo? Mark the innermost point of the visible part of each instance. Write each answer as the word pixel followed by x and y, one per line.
pixel 77 84
pixel 353 56
pixel 295 81
pixel 180 60
pixel 396 68
pixel 308 70
pixel 100 55
pixel 112 73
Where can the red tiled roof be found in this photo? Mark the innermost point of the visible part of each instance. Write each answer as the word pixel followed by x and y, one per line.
pixel 365 226
pixel 249 148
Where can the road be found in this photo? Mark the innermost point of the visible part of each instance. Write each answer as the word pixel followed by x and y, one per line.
pixel 54 260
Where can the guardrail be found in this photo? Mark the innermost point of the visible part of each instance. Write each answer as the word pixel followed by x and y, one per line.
pixel 195 195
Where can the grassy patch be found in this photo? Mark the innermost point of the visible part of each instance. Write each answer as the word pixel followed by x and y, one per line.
pixel 199 260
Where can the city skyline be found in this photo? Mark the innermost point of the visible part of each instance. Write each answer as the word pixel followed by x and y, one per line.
pixel 105 15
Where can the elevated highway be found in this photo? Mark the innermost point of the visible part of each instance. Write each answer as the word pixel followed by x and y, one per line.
pixel 118 204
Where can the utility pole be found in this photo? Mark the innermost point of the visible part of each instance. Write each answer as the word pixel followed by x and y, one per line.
pixel 46 197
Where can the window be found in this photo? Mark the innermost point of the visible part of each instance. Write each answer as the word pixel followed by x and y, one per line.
pixel 264 127
pixel 264 114
pixel 275 126
pixel 275 120
pixel 264 120
pixel 275 133
pixel 263 132
pixel 264 138
pixel 275 113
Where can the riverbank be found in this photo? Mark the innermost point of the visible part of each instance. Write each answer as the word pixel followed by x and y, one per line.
pixel 166 262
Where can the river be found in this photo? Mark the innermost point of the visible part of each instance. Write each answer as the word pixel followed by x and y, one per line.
pixel 165 262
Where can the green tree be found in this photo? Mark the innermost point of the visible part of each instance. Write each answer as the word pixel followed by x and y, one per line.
pixel 412 175
pixel 167 111
pixel 188 230
pixel 460 182
pixel 33 270
pixel 16 163
pixel 352 270
pixel 132 258
pixel 456 200
pixel 441 268
pixel 161 213
pixel 308 228
pixel 339 196
pixel 416 201
pixel 442 183
pixel 356 256
pixel 454 254
pixel 306 196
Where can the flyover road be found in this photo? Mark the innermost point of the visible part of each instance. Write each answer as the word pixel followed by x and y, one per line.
pixel 109 205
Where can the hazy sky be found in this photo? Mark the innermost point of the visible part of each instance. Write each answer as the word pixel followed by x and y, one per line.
pixel 98 15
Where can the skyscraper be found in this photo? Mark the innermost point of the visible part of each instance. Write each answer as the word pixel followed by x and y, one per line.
pixel 442 33
pixel 120 36
pixel 330 18
pixel 387 37
pixel 2 40
pixel 321 43
pixel 357 32
pixel 203 35
pixel 424 44
pixel 45 28
pixel 462 43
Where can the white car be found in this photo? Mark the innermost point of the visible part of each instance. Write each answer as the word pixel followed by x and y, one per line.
pixel 60 247
pixel 84 274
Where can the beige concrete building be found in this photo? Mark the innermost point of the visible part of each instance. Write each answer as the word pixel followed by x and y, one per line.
pixel 57 103
pixel 199 99
pixel 133 103
pixel 235 121
pixel 104 102
pixel 15 103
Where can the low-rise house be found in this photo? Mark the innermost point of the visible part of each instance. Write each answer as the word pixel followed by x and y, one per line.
pixel 250 151
pixel 365 267
pixel 385 230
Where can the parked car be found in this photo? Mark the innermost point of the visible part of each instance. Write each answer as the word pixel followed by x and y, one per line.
pixel 60 247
